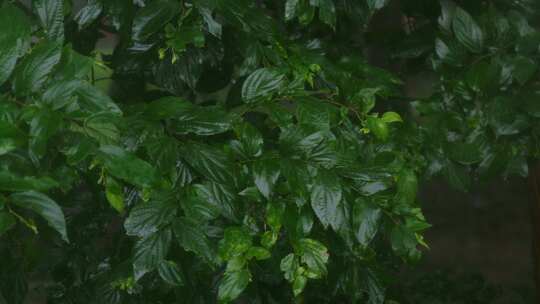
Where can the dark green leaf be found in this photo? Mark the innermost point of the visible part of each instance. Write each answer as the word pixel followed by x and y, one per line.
pixel 262 84
pixel 13 39
pixel 171 273
pixel 266 172
pixel 45 207
pixel 153 17
pixel 325 197
pixel 31 74
pixel 7 221
pixel 407 186
pixel 147 218
pixel 210 162
pixel 377 4
pixel 13 182
pixel 365 221
pixel 150 251
pixel 467 31
pixel 523 69
pixel 94 100
pixel 232 285
pixel 88 14
pixel 127 166
pixel 190 236
pixel 51 15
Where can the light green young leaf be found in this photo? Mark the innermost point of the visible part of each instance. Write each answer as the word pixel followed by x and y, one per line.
pixel 390 117
pixel 115 195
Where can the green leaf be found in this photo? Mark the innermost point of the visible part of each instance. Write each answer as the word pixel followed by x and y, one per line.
pixel 60 93
pixel 213 26
pixel 262 83
pixel 45 207
pixel 10 137
pixel 7 221
pixel 250 143
pixel 314 255
pixel 378 127
pixel 150 251
pixel 375 287
pixel 467 31
pixel 327 11
pixel 503 117
pixel 288 265
pixel 34 70
pixel 259 253
pixel 266 172
pixel 14 38
pixel 147 218
pixel 483 76
pixel 325 197
pixel 523 69
pixel 51 16
pixel 94 100
pixel 127 166
pixel 73 65
pixel 190 236
pixel 390 117
pixel 12 182
pixel 115 195
pixel 43 126
pixel 465 153
pixel 153 17
pixel 404 242
pixel 100 126
pixel 221 197
pixel 167 108
pixel 88 14
pixel 448 9
pixel 210 162
pixel 236 241
pixel 203 121
pixel 377 4
pixel 291 7
pixel 366 219
pixel 299 284
pixel 407 186
pixel 171 273
pixel 233 284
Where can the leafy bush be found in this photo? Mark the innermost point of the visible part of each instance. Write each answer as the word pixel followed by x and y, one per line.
pixel 245 150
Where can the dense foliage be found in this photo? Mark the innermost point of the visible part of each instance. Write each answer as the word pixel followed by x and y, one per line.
pixel 246 151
